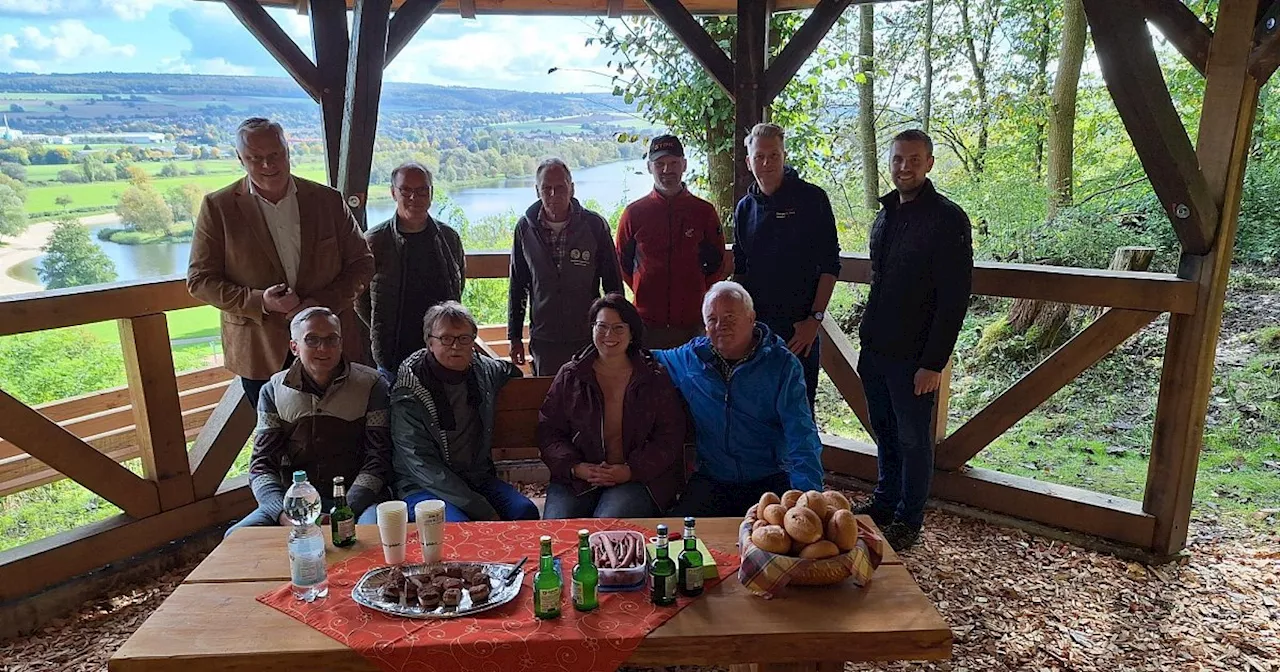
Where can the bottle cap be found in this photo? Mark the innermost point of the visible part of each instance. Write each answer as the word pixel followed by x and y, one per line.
pixel 583 533
pixel 662 531
pixel 299 476
pixel 338 480
pixel 688 521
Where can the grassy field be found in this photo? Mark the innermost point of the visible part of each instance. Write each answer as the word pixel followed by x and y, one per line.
pixel 102 196
pixel 211 166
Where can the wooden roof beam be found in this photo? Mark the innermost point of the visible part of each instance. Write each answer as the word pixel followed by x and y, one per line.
pixel 331 43
pixel 1137 86
pixel 801 46
pixel 1183 29
pixel 695 38
pixel 271 36
pixel 1266 56
pixel 406 22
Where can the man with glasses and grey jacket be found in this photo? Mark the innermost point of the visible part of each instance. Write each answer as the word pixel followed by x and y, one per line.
pixel 562 255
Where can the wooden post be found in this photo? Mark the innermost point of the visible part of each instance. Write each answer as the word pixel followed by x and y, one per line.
pixel 942 406
pixel 1226 122
pixel 801 45
pixel 1182 28
pixel 365 62
pixel 220 441
pixel 157 413
pixel 695 38
pixel 282 47
pixel 331 43
pixel 748 78
pixel 405 24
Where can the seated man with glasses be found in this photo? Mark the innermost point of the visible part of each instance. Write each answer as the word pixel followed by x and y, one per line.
pixel 418 262
pixel 597 471
pixel 442 413
pixel 746 393
pixel 325 416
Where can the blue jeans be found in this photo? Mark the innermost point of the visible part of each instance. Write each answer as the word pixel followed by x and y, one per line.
pixel 510 504
pixel 629 500
pixel 902 422
pixel 260 518
pixel 809 363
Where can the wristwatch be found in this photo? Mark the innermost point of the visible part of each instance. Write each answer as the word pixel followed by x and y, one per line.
pixel 817 315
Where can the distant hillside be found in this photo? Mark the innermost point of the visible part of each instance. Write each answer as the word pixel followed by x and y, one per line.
pixel 199 104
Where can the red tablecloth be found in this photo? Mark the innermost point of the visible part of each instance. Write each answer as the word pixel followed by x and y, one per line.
pixel 507 638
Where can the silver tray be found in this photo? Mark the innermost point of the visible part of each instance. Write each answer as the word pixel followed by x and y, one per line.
pixel 368 591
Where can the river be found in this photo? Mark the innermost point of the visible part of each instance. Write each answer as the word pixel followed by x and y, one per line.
pixel 609 184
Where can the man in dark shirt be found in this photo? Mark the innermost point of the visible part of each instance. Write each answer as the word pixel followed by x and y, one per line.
pixel 785 251
pixel 418 263
pixel 921 272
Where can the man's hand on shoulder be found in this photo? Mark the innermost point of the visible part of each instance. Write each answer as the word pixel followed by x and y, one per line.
pixel 927 381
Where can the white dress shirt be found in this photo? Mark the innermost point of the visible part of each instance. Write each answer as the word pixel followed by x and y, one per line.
pixel 285 227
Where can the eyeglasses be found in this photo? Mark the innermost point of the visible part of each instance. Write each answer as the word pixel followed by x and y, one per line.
pixel 424 192
pixel 330 341
pixel 604 328
pixel 463 341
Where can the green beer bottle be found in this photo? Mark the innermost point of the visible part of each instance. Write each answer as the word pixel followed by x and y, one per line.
pixel 690 580
pixel 342 520
pixel 662 573
pixel 546 584
pixel 586 578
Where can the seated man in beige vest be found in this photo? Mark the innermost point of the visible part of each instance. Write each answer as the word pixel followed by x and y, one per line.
pixel 269 246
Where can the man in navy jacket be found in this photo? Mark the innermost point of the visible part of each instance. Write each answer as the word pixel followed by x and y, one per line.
pixel 921 272
pixel 745 391
pixel 785 249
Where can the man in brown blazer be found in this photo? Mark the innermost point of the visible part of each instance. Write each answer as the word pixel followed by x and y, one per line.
pixel 270 246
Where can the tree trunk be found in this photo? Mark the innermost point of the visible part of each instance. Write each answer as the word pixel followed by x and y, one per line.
pixel 926 108
pixel 720 171
pixel 867 107
pixel 1043 35
pixel 1062 109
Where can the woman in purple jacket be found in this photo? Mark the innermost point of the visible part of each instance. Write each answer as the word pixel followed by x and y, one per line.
pixel 612 428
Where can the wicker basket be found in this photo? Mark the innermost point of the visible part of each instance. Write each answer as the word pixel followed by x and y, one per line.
pixel 825 572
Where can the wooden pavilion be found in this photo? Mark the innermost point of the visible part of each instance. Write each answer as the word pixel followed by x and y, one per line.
pixel 183 491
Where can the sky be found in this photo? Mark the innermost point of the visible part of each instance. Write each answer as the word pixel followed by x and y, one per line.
pixel 200 37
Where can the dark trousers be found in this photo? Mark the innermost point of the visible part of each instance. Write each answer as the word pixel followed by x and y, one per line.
pixel 809 363
pixel 902 422
pixel 662 338
pixel 509 502
pixel 707 497
pixel 549 356
pixel 629 500
pixel 253 390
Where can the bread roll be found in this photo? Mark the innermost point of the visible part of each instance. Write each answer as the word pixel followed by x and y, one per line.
pixel 772 538
pixel 789 498
pixel 803 525
pixel 769 498
pixel 837 500
pixel 842 529
pixel 759 524
pixel 817 503
pixel 819 550
pixel 774 513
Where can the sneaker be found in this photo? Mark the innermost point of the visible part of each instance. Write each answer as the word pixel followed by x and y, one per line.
pixel 881 517
pixel 900 536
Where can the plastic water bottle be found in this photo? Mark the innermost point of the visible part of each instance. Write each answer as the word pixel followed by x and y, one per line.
pixel 306 540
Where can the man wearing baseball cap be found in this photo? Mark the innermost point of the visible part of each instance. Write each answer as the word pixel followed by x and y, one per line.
pixel 671 248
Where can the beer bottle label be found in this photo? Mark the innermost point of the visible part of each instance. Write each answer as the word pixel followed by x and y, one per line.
pixel 693 578
pixel 664 587
pixel 576 591
pixel 548 599
pixel 346 528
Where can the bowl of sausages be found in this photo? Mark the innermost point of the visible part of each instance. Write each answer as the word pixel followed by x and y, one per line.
pixel 620 558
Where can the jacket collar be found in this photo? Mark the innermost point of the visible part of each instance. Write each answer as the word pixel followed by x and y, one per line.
pixel 581 365
pixel 394 225
pixel 927 194
pixel 765 342
pixel 789 177
pixel 678 196
pixel 533 214
pixel 296 377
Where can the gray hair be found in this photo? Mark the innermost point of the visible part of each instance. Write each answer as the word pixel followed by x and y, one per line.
pixel 730 289
pixel 413 165
pixel 553 162
pixel 450 311
pixel 764 130
pixel 300 320
pixel 258 125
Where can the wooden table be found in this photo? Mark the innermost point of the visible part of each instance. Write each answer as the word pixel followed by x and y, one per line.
pixel 212 623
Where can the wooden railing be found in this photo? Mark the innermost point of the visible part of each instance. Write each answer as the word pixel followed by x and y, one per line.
pixel 182 491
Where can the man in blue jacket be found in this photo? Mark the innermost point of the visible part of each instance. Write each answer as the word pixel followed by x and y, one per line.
pixel 745 390
pixel 785 249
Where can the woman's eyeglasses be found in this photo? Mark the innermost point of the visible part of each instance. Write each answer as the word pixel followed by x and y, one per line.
pixel 604 328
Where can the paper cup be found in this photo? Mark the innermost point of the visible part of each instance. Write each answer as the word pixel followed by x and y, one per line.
pixel 393 527
pixel 429 517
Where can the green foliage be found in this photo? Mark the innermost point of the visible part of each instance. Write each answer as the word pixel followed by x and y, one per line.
pixel 95 170
pixel 1267 339
pixel 13 213
pixel 185 201
pixel 143 208
pixel 1258 236
pixel 12 170
pixel 18 155
pixel 178 233
pixel 71 259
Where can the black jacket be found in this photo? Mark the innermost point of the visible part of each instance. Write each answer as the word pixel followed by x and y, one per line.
pixel 783 243
pixel 921 275
pixel 382 306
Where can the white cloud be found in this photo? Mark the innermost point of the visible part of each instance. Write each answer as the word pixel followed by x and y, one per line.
pixel 505 52
pixel 204 66
pixel 128 10
pixel 34 50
